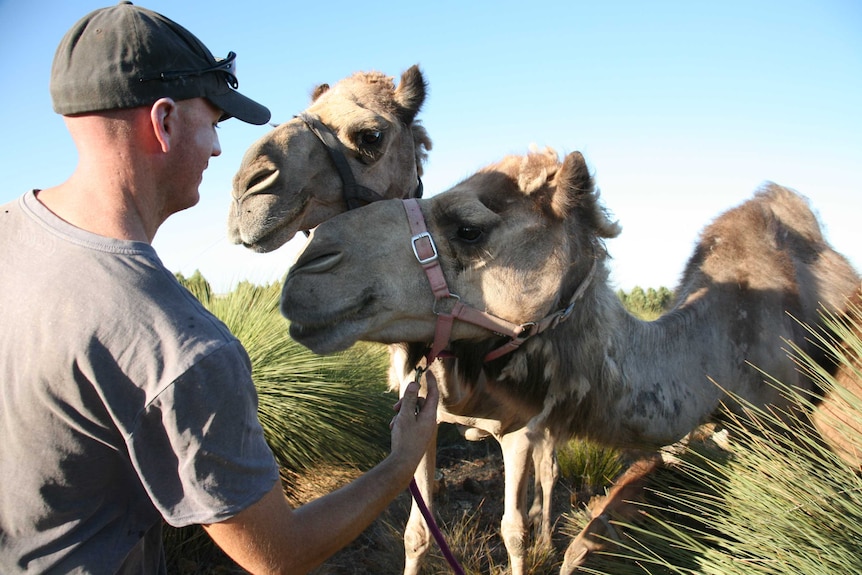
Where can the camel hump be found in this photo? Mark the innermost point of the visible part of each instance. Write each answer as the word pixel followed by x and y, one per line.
pixel 797 221
pixel 776 217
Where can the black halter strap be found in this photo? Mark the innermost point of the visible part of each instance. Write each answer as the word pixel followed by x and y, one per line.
pixel 355 195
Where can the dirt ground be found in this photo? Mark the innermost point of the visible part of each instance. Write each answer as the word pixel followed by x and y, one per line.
pixel 470 484
pixel 469 492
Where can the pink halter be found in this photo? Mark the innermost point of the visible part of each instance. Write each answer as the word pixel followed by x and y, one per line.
pixel 425 251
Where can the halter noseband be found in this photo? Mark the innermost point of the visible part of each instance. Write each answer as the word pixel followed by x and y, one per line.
pixel 355 195
pixel 426 254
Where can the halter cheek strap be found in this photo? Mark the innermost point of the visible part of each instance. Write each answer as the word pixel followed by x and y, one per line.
pixel 426 254
pixel 355 195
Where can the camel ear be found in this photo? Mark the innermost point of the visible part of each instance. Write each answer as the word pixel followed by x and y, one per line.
pixel 410 94
pixel 575 175
pixel 572 183
pixel 318 91
pixel 575 190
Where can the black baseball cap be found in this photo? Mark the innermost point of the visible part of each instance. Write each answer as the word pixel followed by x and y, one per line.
pixel 125 56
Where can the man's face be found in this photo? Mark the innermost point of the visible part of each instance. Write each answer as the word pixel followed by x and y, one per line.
pixel 196 143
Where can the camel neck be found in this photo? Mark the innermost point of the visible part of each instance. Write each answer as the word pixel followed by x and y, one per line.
pixel 641 383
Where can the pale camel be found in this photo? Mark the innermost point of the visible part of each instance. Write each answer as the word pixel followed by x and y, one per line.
pixel 523 241
pixel 289 181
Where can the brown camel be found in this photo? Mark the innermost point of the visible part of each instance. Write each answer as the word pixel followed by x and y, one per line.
pixel 839 417
pixel 290 180
pixel 287 181
pixel 521 242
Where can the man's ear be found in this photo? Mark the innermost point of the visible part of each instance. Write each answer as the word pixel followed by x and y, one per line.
pixel 163 117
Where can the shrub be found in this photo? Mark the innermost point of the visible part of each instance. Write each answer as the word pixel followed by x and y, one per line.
pixel 587 466
pixel 648 304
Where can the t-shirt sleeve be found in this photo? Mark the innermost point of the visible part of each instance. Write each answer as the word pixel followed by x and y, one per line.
pixel 199 448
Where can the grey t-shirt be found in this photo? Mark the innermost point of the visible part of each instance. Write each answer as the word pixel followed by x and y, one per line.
pixel 122 402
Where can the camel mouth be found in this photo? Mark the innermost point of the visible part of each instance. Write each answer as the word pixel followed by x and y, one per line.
pixel 270 241
pixel 336 332
pixel 276 229
pixel 260 248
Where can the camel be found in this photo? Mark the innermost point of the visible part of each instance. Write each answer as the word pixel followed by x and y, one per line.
pixel 838 418
pixel 291 180
pixel 530 319
pixel 288 182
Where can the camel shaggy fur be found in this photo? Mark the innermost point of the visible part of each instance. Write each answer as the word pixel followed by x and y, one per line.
pixel 516 240
pixel 288 182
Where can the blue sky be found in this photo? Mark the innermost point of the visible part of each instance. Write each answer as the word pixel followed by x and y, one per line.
pixel 682 109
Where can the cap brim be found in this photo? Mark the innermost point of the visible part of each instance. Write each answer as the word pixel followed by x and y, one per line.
pixel 235 105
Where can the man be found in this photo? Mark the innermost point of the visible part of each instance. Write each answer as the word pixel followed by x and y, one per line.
pixel 125 403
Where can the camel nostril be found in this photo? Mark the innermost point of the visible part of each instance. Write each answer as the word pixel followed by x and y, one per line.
pixel 261 181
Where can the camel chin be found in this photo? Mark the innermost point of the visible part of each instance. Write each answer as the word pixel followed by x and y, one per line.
pixel 322 341
pixel 270 241
pixel 331 336
pixel 266 235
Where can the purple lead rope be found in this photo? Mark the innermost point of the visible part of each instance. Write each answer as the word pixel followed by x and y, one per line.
pixel 435 530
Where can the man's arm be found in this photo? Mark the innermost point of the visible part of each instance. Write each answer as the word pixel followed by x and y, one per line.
pixel 270 537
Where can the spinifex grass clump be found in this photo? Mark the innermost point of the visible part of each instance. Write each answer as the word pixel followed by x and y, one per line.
pixel 586 466
pixel 314 409
pixel 779 501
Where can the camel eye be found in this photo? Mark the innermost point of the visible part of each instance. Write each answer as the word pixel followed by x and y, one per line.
pixel 370 138
pixel 470 234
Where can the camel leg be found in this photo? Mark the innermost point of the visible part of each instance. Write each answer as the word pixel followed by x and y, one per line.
pixel 547 471
pixel 616 505
pixel 417 537
pixel 516 458
pixel 836 418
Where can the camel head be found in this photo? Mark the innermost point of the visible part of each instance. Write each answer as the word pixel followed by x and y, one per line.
pixel 515 240
pixel 288 182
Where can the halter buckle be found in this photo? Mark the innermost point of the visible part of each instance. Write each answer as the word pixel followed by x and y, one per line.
pixel 429 244
pixel 564 315
pixel 527 330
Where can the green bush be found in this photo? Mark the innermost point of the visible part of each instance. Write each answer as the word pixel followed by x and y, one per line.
pixel 646 304
pixel 586 466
